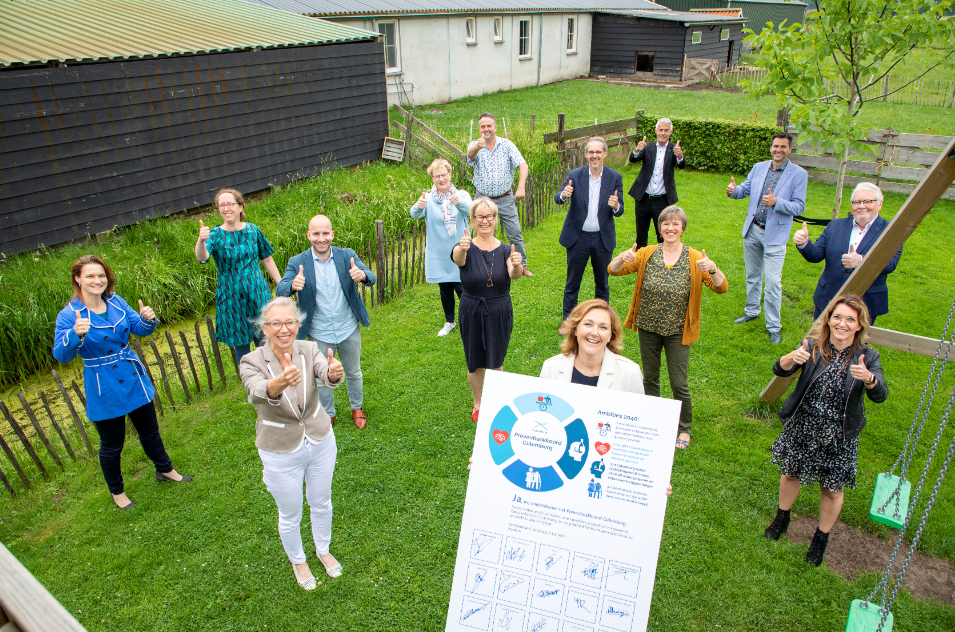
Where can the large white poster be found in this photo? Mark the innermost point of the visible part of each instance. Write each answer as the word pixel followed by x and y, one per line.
pixel 564 510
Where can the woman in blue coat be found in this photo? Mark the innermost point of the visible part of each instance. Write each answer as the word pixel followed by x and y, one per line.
pixel 96 325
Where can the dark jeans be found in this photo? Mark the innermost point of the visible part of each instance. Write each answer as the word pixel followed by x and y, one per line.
pixel 112 435
pixel 241 350
pixel 648 209
pixel 589 247
pixel 652 346
pixel 448 290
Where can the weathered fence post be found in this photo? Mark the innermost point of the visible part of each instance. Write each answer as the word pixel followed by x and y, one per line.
pixel 178 364
pixel 142 358
pixel 533 121
pixel 192 365
pixel 162 373
pixel 205 358
pixel 560 136
pixel 409 119
pixel 39 431
pixel 782 118
pixel 16 464
pixel 381 263
pixel 76 418
pixel 56 426
pixel 215 348
pixel 79 392
pixel 23 439
pixel 7 484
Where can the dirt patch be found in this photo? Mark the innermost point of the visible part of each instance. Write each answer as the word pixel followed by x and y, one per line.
pixel 851 552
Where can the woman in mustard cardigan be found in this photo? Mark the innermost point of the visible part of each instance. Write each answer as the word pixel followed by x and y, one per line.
pixel 665 309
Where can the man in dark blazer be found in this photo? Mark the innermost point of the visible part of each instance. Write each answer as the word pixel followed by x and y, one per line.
pixel 843 245
pixel 324 277
pixel 655 187
pixel 596 197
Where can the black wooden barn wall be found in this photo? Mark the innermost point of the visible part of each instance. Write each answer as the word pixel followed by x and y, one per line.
pixel 710 46
pixel 87 148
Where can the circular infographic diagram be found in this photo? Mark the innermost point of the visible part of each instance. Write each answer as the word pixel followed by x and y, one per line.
pixel 542 445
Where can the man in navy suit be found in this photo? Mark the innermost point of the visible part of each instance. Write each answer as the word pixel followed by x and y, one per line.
pixel 655 187
pixel 778 190
pixel 596 197
pixel 324 278
pixel 843 245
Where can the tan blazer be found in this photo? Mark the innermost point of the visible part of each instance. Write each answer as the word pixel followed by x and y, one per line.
pixel 616 372
pixel 283 422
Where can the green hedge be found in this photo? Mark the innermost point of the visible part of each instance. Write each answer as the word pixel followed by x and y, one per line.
pixel 713 145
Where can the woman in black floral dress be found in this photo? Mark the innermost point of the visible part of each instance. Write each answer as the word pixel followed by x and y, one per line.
pixel 824 415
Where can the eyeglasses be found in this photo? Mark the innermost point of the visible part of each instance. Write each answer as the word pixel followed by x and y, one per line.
pixel 863 202
pixel 594 153
pixel 288 324
pixel 229 204
pixel 438 176
pixel 850 320
pixel 480 219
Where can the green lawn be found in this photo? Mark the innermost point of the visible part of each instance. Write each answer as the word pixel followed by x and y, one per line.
pixel 913 67
pixel 206 556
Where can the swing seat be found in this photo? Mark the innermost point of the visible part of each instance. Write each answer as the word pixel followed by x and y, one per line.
pixel 885 486
pixel 865 617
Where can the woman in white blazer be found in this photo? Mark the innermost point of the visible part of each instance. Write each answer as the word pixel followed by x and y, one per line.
pixel 590 351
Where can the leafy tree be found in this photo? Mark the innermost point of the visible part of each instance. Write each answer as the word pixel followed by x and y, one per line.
pixel 821 70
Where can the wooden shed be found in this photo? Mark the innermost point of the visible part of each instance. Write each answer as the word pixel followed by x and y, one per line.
pixel 669 45
pixel 105 127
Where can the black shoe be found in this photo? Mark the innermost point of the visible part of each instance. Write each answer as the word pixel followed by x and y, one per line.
pixel 775 338
pixel 163 477
pixel 131 505
pixel 779 526
pixel 745 318
pixel 817 548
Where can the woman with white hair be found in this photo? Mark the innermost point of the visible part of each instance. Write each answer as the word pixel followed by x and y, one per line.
pixel 843 245
pixel 293 432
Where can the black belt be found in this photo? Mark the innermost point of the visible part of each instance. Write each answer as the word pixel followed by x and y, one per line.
pixel 763 226
pixel 651 195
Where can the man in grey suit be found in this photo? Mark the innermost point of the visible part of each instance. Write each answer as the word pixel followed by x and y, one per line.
pixel 781 187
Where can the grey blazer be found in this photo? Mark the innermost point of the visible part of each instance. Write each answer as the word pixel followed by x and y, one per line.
pixel 616 372
pixel 283 422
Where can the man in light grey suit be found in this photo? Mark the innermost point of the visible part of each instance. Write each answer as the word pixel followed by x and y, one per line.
pixel 781 187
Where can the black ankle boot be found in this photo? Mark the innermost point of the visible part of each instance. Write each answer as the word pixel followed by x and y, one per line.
pixel 779 526
pixel 817 548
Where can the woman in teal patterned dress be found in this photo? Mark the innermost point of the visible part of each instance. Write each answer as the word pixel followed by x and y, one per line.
pixel 237 248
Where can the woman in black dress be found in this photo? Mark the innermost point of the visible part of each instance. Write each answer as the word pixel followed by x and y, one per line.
pixel 485 314
pixel 824 415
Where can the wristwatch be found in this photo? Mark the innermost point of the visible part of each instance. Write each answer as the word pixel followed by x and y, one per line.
pixel 871 380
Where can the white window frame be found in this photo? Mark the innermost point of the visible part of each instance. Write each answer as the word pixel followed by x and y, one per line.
pixel 529 39
pixel 498 30
pixel 470 31
pixel 397 67
pixel 572 35
pixel 697 37
pixel 724 35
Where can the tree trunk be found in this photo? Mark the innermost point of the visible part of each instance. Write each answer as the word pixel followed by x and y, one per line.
pixel 839 181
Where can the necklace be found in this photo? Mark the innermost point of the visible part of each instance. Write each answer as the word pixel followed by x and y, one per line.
pixel 490 283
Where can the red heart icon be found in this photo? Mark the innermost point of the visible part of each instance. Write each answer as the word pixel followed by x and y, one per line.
pixel 540 399
pixel 600 425
pixel 602 448
pixel 500 436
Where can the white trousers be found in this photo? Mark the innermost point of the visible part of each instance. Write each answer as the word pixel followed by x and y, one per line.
pixel 283 475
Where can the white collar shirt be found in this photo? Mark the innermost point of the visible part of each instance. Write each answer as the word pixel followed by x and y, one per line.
pixel 656 181
pixel 858 234
pixel 591 224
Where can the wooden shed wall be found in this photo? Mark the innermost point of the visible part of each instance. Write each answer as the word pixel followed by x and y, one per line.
pixel 618 38
pixel 711 47
pixel 91 147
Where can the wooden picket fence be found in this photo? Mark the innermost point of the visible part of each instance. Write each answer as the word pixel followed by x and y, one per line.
pixel 924 91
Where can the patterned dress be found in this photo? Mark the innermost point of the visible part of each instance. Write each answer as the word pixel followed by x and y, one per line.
pixel 811 446
pixel 665 294
pixel 241 290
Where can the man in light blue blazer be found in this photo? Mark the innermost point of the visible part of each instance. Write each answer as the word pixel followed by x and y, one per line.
pixel 324 277
pixel 779 189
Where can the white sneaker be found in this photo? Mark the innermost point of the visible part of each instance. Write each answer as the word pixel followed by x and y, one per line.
pixel 446 329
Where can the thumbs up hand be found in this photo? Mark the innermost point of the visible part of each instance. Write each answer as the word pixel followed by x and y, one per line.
pixel 423 201
pixel 731 187
pixel 706 264
pixel 356 273
pixel 859 371
pixel 769 199
pixel 290 373
pixel 299 281
pixel 567 190
pixel 851 259
pixel 678 151
pixel 482 143
pixel 514 260
pixel 801 236
pixel 614 201
pixel 642 144
pixel 455 200
pixel 146 312
pixel 203 231
pixel 82 325
pixel 801 354
pixel 335 370
pixel 629 254
pixel 465 242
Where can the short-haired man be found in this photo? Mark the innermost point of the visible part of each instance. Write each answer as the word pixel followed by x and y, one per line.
pixel 494 161
pixel 596 197
pixel 780 194
pixel 324 277
pixel 843 245
pixel 655 187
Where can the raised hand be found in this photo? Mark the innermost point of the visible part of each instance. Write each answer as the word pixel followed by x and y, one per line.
pixel 465 242
pixel 146 312
pixel 678 151
pixel 769 199
pixel 642 144
pixel 82 325
pixel 356 273
pixel 801 236
pixel 299 281
pixel 801 354
pixel 731 187
pixel 514 260
pixel 706 264
pixel 203 231
pixel 614 201
pixel 851 259
pixel 335 369
pixel 568 190
pixel 859 371
pixel 629 254
pixel 290 373
pixel 455 200
pixel 481 144
pixel 422 201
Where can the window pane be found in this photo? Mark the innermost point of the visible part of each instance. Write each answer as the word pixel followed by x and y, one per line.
pixel 469 29
pixel 391 45
pixel 570 33
pixel 497 28
pixel 697 37
pixel 525 38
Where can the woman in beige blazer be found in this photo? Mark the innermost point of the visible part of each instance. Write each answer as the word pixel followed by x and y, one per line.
pixel 293 432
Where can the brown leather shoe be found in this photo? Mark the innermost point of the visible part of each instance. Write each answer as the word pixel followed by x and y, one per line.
pixel 333 421
pixel 360 419
pixel 527 272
